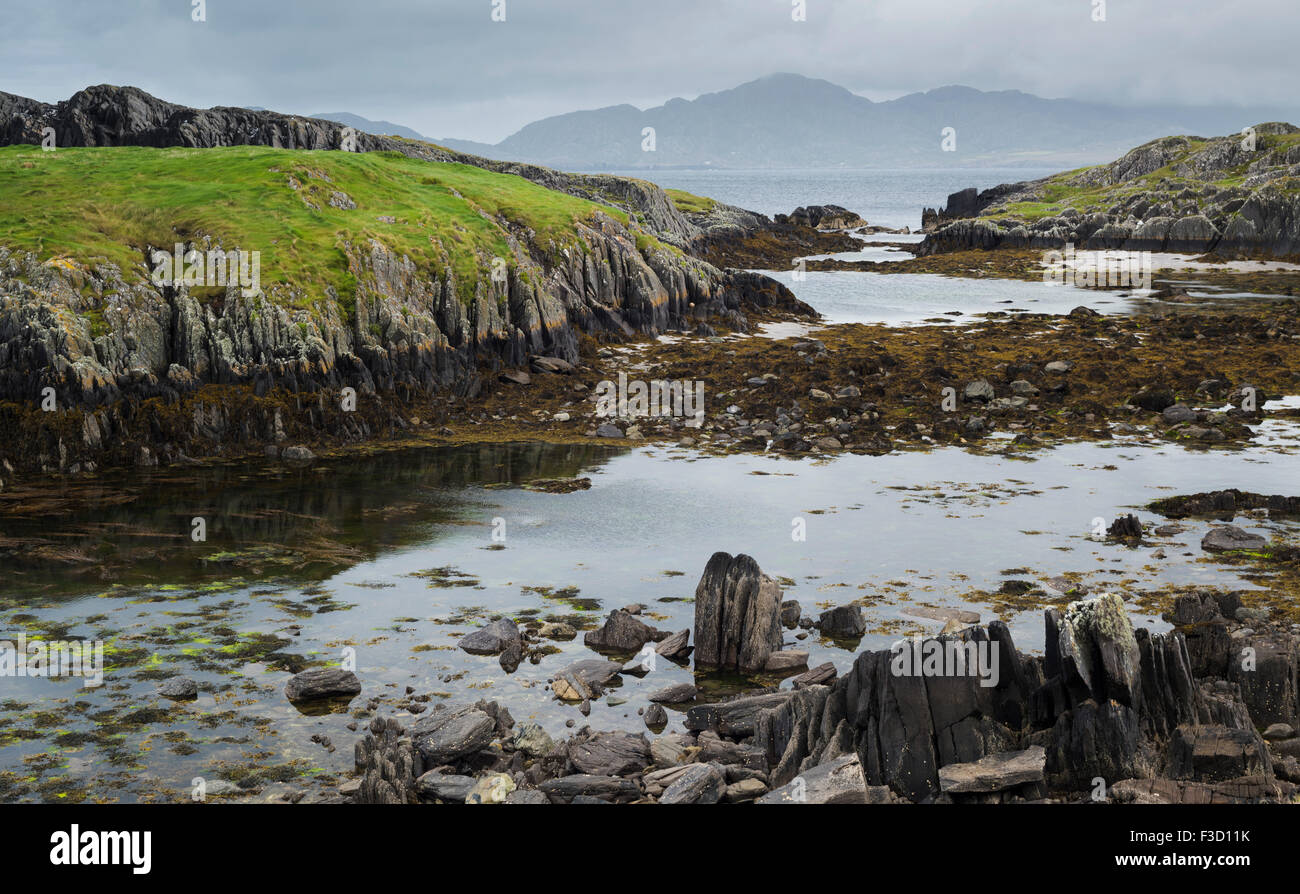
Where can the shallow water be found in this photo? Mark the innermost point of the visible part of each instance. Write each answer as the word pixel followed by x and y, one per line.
pixel 880 530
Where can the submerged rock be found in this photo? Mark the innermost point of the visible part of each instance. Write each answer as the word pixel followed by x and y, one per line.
pixel 321 682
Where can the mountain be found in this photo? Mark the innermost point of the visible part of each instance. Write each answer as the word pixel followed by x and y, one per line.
pixel 356 122
pixel 791 121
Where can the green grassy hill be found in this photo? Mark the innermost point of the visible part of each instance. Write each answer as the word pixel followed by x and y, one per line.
pixel 111 204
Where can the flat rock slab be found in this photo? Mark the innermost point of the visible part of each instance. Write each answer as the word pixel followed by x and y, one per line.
pixel 995 772
pixel 787 660
pixel 610 753
pixel 675 694
pixel 1228 537
pixel 446 735
pixel 566 789
pixel 839 781
pixel 321 682
pixel 943 614
pixel 822 674
pixel 492 639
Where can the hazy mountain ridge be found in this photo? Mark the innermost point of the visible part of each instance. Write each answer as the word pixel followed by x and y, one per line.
pixel 791 121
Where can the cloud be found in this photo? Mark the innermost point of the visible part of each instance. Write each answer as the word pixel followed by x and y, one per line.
pixel 447 69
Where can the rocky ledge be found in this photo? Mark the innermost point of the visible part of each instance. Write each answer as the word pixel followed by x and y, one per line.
pixel 1236 195
pixel 1205 713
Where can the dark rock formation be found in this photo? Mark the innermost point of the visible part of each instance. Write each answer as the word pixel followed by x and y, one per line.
pixel 737 615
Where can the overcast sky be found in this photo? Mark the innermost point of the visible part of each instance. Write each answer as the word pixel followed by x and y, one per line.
pixel 445 68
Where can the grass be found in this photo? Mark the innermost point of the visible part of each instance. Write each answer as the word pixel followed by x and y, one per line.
pixel 1061 192
pixel 111 204
pixel 689 203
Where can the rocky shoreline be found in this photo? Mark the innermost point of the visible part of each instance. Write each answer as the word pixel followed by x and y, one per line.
pixel 1108 713
pixel 1232 196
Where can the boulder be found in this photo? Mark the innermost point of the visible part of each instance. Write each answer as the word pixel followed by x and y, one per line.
pixel 179 688
pixel 622 632
pixel 493 639
pixel 842 622
pixel 448 733
pixel 1228 537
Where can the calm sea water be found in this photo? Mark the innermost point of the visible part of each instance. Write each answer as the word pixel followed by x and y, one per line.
pixel 890 198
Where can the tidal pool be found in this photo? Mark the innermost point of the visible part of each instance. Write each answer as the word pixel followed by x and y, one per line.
pixel 394 557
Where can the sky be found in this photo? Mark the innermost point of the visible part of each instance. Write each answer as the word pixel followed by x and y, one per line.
pixel 481 69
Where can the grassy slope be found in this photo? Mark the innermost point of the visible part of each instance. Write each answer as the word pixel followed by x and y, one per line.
pixel 1061 193
pixel 110 203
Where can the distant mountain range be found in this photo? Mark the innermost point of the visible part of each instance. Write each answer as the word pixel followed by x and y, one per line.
pixel 791 121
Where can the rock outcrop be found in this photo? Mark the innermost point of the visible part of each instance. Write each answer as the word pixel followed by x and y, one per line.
pixel 1233 195
pixel 737 615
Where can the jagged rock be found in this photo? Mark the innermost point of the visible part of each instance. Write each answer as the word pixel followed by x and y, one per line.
pixel 621 633
pixel 737 615
pixel 321 682
pixel 493 639
pixel 979 390
pixel 655 717
pixel 995 772
pixel 674 646
pixel 734 718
